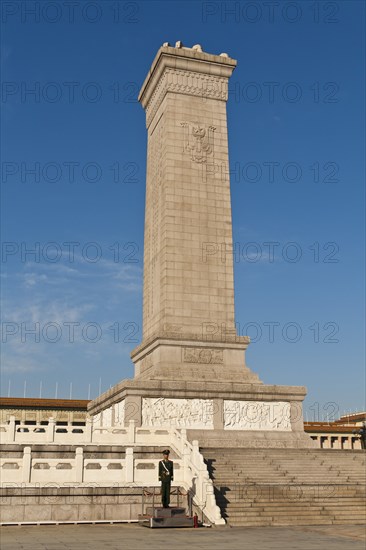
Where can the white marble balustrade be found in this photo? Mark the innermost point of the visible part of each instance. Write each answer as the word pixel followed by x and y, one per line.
pixel 190 469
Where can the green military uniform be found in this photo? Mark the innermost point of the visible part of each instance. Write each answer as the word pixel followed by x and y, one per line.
pixel 166 477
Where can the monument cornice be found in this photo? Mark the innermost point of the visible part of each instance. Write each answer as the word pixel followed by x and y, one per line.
pixel 186 59
pixel 185 71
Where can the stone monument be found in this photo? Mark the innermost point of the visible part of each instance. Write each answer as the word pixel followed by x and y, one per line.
pixel 190 369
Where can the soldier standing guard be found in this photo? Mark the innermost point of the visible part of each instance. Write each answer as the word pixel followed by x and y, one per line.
pixel 166 477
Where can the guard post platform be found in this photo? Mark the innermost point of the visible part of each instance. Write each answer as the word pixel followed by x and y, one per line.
pixel 157 516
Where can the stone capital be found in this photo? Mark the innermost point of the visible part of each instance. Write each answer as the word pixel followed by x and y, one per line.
pixel 185 71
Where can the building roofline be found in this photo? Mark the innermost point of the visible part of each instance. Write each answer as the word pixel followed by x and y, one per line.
pixel 30 402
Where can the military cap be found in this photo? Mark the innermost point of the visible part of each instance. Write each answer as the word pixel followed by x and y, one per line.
pixel 166 452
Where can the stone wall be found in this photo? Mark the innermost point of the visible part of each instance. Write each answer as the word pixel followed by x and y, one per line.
pixel 77 504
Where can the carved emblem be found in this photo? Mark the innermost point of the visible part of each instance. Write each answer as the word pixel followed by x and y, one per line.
pixel 198 141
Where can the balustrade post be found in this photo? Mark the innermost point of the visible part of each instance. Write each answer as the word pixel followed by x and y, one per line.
pixel 51 430
pixel 183 439
pixel 11 430
pixel 88 430
pixel 196 453
pixel 27 465
pixel 186 456
pixel 129 463
pixel 79 465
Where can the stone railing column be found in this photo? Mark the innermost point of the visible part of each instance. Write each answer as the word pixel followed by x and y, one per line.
pixel 183 440
pixel 11 430
pixel 129 465
pixel 27 465
pixel 51 429
pixel 88 430
pixel 79 465
pixel 197 465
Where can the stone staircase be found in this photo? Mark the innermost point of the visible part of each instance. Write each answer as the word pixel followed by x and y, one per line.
pixel 257 487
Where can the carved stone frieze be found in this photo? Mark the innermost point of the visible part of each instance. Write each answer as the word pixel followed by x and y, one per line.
pixel 204 356
pixel 179 413
pixel 257 415
pixel 188 83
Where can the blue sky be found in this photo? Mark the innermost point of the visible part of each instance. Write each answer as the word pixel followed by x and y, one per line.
pixel 296 139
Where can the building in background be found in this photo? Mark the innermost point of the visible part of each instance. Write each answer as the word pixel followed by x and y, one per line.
pixel 38 411
pixel 338 434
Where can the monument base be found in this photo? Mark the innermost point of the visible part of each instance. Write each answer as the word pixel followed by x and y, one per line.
pixel 217 414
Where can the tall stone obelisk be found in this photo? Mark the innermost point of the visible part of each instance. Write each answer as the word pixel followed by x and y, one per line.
pixel 190 368
pixel 188 304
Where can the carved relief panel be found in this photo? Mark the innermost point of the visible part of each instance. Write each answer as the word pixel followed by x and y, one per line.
pixel 178 413
pixel 257 415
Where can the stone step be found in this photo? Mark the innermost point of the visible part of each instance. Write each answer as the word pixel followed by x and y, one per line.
pixel 288 518
pixel 263 459
pixel 289 493
pixel 210 454
pixel 278 488
pixel 280 480
pixel 346 515
pixel 346 454
pixel 288 480
pixel 260 474
pixel 275 513
pixel 303 506
pixel 261 509
pixel 294 517
pixel 231 515
pixel 288 486
pixel 235 484
pixel 353 521
pixel 356 507
pixel 343 469
pixel 329 476
pixel 241 477
pixel 287 471
pixel 279 470
pixel 267 523
pixel 273 522
pixel 313 464
pixel 356 511
pixel 252 523
pixel 278 499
